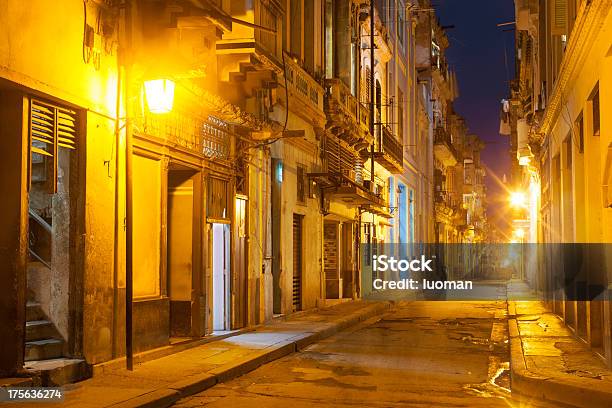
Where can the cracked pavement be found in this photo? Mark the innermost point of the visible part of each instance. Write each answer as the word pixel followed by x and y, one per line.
pixel 423 353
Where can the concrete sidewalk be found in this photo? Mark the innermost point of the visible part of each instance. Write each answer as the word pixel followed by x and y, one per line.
pixel 160 382
pixel 548 362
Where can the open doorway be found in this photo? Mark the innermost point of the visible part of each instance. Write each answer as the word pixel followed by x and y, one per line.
pixel 221 276
pixel 51 216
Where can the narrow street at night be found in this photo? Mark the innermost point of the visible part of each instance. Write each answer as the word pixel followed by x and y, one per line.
pixel 306 203
pixel 420 354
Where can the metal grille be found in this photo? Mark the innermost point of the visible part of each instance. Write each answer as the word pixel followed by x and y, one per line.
pixel 208 136
pixel 297 262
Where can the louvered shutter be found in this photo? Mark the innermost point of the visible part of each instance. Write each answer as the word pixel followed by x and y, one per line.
pixel 558 23
pixel 51 127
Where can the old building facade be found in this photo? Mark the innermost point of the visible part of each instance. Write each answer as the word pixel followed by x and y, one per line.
pixel 178 169
pixel 561 138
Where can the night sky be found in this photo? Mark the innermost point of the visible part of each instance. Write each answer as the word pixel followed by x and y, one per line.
pixel 476 53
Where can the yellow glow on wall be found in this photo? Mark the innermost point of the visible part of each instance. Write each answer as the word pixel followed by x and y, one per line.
pixel 160 95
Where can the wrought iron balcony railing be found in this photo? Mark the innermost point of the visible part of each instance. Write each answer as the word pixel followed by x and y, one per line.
pixel 443 147
pixel 392 149
pixel 210 137
pixel 389 151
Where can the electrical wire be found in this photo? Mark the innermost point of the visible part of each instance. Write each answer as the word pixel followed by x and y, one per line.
pixel 86 53
pixel 269 142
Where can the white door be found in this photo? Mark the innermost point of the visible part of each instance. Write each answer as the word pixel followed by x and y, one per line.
pixel 221 281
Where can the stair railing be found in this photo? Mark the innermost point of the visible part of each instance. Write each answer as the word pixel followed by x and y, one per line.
pixel 47 228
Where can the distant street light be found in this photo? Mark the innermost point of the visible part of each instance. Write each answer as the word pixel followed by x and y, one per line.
pixel 160 95
pixel 519 233
pixel 518 199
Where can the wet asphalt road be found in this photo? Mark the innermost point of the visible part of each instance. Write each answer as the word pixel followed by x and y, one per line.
pixel 420 354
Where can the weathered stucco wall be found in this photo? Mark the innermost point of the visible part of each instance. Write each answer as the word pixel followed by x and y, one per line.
pixel 294 153
pixel 32 55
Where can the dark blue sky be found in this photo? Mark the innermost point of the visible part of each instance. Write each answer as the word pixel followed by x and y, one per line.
pixel 477 55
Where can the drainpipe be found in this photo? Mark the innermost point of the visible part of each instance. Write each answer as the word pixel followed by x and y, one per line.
pixel 129 283
pixel 118 217
pixel 372 92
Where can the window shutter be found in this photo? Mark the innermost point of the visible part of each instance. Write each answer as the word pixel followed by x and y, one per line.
pixel 369 88
pixel 559 17
pixel 51 127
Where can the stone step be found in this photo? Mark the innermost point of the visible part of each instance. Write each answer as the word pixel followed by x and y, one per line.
pixel 34 311
pixel 41 330
pixel 58 371
pixel 43 349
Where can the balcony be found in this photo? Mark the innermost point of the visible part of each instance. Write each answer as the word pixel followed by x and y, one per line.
pixel 341 188
pixel 449 207
pixel 306 92
pixel 389 151
pixel 347 118
pixel 444 149
pixel 210 138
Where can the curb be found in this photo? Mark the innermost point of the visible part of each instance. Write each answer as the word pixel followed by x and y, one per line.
pixel 530 384
pixel 165 397
pixel 143 357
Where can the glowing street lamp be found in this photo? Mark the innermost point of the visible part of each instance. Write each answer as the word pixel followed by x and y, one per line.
pixel 160 95
pixel 519 233
pixel 518 199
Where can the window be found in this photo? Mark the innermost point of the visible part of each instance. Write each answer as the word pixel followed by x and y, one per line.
pixel 267 17
pixel 580 132
pixel 309 34
pixel 301 184
pixel 435 54
pixel 378 97
pixel 401 23
pixel 568 152
pixel 368 86
pixel 467 171
pixel 329 39
pixel 218 198
pixel 596 112
pixel 296 28
pixel 400 115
